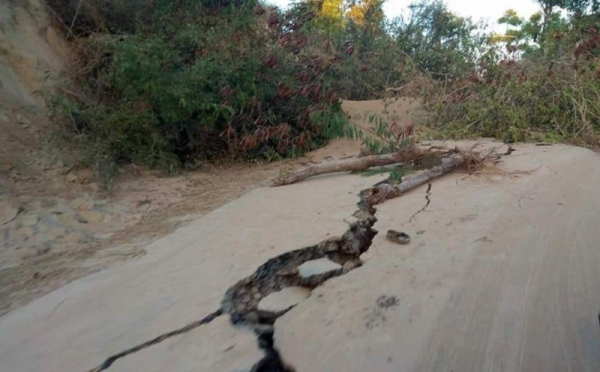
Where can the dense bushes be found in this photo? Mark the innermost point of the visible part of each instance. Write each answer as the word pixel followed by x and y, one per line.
pixel 523 101
pixel 430 41
pixel 544 91
pixel 202 84
pixel 169 83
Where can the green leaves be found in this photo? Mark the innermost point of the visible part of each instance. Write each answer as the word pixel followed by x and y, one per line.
pixel 194 85
pixel 511 18
pixel 441 44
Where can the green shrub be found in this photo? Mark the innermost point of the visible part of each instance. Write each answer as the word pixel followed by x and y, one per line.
pixel 169 83
pixel 204 84
pixel 528 99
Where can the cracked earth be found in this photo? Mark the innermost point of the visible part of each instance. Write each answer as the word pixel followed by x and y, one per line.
pixel 485 265
pixel 428 201
pixel 241 301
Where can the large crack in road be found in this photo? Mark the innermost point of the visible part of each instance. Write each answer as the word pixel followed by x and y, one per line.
pixel 207 319
pixel 241 300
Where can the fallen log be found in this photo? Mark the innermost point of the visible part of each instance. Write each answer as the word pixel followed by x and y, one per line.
pixel 349 165
pixel 380 193
pixel 412 154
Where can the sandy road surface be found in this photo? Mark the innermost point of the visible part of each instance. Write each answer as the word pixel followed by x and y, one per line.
pixel 57 226
pixel 503 273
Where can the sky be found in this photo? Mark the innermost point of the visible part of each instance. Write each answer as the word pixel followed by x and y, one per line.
pixel 477 9
pixel 487 10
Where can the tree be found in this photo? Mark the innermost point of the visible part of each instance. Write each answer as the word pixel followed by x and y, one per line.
pixel 329 14
pixel 548 7
pixel 580 7
pixel 519 32
pixel 533 27
pixel 510 18
pixel 542 32
pixel 577 9
pixel 512 36
pixel 440 42
pixel 366 11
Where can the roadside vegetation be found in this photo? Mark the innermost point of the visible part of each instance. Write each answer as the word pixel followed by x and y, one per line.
pixel 172 84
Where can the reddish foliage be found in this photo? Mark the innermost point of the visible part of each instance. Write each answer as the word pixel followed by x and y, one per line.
pixel 285 39
pixel 298 132
pixel 303 77
pixel 301 42
pixel 273 20
pixel 590 44
pixel 332 97
pixel 260 120
pixel 285 92
pixel 335 61
pixel 349 48
pixel 255 103
pixel 270 61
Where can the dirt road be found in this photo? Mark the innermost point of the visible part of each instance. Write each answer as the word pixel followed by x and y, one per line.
pixel 56 225
pixel 503 273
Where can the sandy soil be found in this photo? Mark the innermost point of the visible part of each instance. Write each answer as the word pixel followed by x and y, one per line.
pixel 501 274
pixel 56 224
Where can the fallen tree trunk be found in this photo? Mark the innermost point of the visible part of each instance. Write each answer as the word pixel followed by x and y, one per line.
pixel 449 164
pixel 412 154
pixel 350 165
pixel 380 193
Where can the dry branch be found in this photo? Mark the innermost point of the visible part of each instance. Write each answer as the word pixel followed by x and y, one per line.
pixel 380 193
pixel 350 165
pixel 359 164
